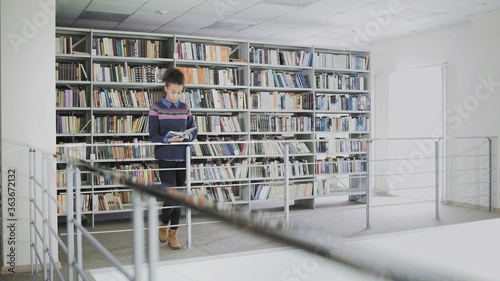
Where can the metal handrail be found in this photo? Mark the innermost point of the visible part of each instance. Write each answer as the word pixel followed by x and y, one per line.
pixel 277 228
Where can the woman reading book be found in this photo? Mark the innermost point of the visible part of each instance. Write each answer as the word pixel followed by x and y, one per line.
pixel 171 121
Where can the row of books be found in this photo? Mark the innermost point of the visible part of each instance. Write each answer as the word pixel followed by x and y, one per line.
pixel 215 193
pixel 93 202
pixel 142 173
pixel 329 186
pixel 217 124
pixel 277 148
pixel 148 48
pixel 212 172
pixel 62 177
pixel 143 48
pixel 112 149
pixel 277 191
pixel 340 165
pixel 342 102
pixel 202 52
pixel 241 169
pixel 276 169
pixel 76 97
pixel 342 124
pixel 107 72
pixel 216 172
pixel 120 124
pixel 212 98
pixel 273 78
pixel 273 169
pixel 76 150
pixel 120 149
pixel 281 100
pixel 340 61
pixel 219 149
pixel 339 81
pixel 268 123
pixel 69 124
pixel 217 99
pixel 70 44
pixel 341 145
pixel 71 71
pixel 115 200
pixel 299 167
pixel 211 76
pixel 114 98
pixel 280 57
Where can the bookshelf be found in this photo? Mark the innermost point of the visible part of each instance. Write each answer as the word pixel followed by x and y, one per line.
pixel 342 122
pixel 248 100
pixel 116 74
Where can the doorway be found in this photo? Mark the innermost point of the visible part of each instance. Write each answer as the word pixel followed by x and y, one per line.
pixel 412 121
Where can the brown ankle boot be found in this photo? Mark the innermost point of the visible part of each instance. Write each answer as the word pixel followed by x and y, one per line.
pixel 173 242
pixel 163 233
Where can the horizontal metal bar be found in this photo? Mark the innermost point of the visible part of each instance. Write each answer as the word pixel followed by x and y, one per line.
pixel 469 197
pixel 436 138
pixel 467 183
pixel 399 174
pixel 465 156
pixel 405 203
pixel 411 188
pixel 116 231
pixel 465 170
pixel 401 159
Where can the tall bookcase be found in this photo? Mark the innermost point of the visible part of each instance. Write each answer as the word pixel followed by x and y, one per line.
pixel 250 100
pixel 342 122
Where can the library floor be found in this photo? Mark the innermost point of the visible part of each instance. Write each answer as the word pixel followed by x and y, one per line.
pixel 334 216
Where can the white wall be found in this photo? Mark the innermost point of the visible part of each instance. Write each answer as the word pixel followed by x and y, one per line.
pixel 472 103
pixel 27 111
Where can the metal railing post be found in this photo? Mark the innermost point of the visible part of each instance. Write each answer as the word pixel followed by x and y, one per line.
pixel 138 234
pixel 287 183
pixel 33 260
pixel 436 176
pixel 70 219
pixel 50 211
pixel 35 218
pixel 188 190
pixel 154 248
pixel 78 219
pixel 368 191
pixel 490 176
pixel 43 183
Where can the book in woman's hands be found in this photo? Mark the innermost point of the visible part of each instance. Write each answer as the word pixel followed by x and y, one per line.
pixel 172 134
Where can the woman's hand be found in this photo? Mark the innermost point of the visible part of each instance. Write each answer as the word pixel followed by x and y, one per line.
pixel 176 139
pixel 179 139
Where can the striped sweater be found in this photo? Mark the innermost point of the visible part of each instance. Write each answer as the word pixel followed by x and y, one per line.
pixel 162 119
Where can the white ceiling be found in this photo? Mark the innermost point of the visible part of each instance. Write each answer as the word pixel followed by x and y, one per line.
pixel 331 23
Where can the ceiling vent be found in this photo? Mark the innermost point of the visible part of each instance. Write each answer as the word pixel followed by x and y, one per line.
pixel 91 15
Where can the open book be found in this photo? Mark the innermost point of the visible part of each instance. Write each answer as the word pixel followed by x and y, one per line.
pixel 180 134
